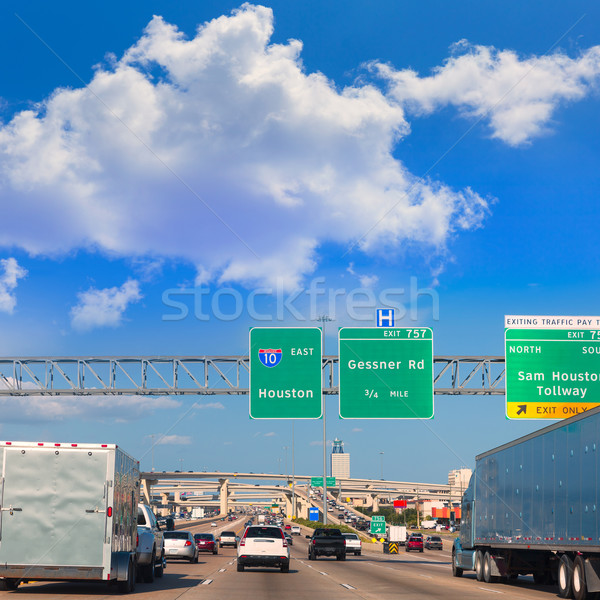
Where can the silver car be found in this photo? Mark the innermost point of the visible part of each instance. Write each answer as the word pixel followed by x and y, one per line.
pixel 180 544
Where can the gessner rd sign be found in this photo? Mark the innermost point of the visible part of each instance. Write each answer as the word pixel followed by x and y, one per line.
pixel 386 373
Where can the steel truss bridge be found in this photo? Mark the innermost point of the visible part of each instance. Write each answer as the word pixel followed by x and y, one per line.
pixel 206 375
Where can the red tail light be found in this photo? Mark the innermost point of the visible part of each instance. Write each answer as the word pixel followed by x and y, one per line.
pixel 285 543
pixel 243 542
pixel 137 540
pixel 109 511
pixel 188 543
pixel 314 542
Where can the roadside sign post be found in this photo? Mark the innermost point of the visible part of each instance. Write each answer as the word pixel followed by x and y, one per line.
pixel 285 373
pixel 552 366
pixel 386 373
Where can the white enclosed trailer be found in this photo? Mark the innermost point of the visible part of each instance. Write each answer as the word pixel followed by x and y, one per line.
pixel 68 512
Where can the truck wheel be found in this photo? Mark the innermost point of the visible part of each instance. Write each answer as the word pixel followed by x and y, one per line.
pixel 456 570
pixel 148 572
pixel 310 556
pixel 565 577
pixel 240 567
pixel 579 584
pixel 159 570
pixel 127 586
pixel 487 569
pixel 479 565
pixel 11 584
pixel 285 568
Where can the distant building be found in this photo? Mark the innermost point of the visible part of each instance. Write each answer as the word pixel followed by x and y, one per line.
pixel 458 480
pixel 340 461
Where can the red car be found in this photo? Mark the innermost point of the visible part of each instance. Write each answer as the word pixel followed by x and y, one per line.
pixel 288 527
pixel 414 542
pixel 205 542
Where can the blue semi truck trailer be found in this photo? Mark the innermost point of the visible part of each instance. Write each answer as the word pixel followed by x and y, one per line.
pixel 532 508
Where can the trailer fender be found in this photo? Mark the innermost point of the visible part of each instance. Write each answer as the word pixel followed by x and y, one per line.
pixel 592 573
pixel 121 562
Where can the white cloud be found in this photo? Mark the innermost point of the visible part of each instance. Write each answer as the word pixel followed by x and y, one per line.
pixel 181 130
pixel 270 434
pixel 368 281
pixel 9 278
pixel 517 96
pixel 104 308
pixel 356 430
pixel 208 405
pixel 43 409
pixel 174 440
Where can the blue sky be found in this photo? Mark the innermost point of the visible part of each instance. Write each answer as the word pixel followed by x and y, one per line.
pixel 355 146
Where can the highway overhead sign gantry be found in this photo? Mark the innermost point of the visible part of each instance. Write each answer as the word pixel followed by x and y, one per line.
pixel 386 373
pixel 552 366
pixel 286 380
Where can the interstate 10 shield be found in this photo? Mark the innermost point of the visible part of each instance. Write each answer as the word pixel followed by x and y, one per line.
pixel 285 373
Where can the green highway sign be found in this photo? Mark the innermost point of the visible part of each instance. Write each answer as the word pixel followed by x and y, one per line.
pixel 378 527
pixel 552 366
pixel 285 373
pixel 378 518
pixel 318 482
pixel 386 373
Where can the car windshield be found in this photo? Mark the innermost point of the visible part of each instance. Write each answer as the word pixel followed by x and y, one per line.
pixel 176 535
pixel 204 536
pixel 264 532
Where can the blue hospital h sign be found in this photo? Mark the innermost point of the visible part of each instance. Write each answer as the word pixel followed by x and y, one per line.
pixel 385 317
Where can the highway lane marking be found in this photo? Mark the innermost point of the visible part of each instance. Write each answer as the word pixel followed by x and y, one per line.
pixel 323 573
pixel 347 586
pixel 222 570
pixel 488 590
pixel 207 582
pixel 426 576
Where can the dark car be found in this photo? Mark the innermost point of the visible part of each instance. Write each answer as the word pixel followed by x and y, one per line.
pixel 433 542
pixel 414 542
pixel 206 542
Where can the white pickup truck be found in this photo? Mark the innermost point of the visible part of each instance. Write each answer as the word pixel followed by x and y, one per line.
pixel 151 560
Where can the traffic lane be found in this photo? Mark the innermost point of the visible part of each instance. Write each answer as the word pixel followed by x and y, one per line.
pixel 431 565
pixel 300 583
pixel 179 578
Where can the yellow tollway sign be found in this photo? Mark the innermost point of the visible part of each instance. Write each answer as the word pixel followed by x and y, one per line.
pixel 552 366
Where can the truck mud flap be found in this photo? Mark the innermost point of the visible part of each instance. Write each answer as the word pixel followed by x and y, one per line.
pixel 499 568
pixel 592 574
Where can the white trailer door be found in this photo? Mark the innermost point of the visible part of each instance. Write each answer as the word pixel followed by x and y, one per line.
pixel 53 506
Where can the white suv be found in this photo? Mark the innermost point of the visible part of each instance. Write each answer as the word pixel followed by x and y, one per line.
pixel 263 547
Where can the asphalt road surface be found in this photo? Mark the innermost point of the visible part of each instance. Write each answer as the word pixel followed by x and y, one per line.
pixel 372 576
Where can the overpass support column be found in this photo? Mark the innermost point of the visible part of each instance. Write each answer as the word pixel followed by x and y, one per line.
pixel 301 508
pixel 289 507
pixel 224 496
pixel 375 505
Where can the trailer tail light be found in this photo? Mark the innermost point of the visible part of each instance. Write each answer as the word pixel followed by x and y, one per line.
pixel 109 511
pixel 188 543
